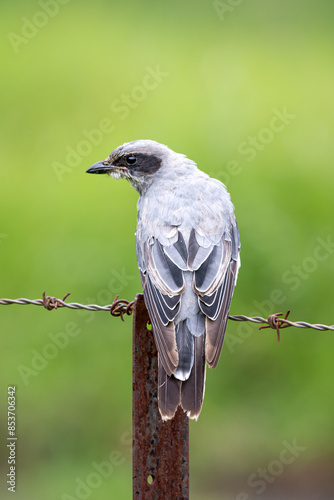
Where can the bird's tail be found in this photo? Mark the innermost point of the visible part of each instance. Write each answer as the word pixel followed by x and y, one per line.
pixel 188 394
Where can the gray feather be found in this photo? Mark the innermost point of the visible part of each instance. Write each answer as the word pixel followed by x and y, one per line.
pixel 206 274
pixel 192 390
pixel 196 324
pixel 235 240
pixel 169 393
pixel 168 271
pixel 178 253
pixel 166 313
pixel 185 349
pixel 164 335
pixel 196 253
pixel 215 330
pixel 211 304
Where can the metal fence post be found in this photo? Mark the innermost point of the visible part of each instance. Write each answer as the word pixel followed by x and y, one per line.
pixel 160 449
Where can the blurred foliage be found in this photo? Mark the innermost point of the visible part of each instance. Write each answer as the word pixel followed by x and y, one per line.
pixel 224 79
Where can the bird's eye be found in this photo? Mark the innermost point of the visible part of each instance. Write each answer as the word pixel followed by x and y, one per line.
pixel 131 160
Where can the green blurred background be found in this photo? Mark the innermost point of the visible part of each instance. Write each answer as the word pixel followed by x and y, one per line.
pixel 223 71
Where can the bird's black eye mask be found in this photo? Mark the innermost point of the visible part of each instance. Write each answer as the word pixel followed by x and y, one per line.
pixel 139 163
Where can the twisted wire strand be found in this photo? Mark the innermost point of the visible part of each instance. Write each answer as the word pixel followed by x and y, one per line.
pixel 69 305
pixel 120 306
pixel 296 324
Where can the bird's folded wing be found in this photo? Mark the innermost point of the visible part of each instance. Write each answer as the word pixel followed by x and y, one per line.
pixel 214 283
pixel 164 334
pixel 163 284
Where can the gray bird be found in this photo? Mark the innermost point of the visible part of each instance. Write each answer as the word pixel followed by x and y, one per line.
pixel 188 249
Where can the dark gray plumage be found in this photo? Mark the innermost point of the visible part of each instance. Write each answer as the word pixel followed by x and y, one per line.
pixel 188 249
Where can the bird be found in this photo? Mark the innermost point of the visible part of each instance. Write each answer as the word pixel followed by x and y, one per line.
pixel 188 253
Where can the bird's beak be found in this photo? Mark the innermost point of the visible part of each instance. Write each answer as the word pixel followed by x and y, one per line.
pixel 101 167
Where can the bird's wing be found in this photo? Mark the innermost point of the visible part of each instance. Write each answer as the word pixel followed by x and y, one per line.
pixel 214 283
pixel 163 284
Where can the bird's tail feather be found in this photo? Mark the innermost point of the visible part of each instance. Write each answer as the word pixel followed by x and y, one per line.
pixel 169 393
pixel 185 349
pixel 190 393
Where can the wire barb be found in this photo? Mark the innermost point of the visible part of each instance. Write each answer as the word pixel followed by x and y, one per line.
pixel 120 307
pixel 276 323
pixel 53 303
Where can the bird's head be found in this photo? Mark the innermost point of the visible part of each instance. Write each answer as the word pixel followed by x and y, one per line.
pixel 137 161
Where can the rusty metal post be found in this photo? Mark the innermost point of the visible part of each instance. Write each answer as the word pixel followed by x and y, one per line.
pixel 160 449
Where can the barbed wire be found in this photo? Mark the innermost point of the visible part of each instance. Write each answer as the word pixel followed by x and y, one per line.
pixel 119 307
